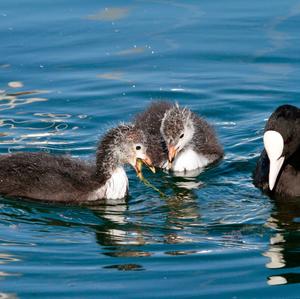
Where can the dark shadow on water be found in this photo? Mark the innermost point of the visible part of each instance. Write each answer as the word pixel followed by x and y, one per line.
pixel 125 267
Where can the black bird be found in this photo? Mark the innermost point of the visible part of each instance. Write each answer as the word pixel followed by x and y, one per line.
pixel 178 139
pixel 57 178
pixel 278 168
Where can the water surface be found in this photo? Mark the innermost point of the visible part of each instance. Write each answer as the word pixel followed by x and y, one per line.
pixel 70 70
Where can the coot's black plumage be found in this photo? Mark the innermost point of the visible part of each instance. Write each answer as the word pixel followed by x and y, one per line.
pixel 49 177
pixel 178 135
pixel 278 168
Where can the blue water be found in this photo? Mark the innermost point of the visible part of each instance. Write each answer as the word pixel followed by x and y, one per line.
pixel 91 64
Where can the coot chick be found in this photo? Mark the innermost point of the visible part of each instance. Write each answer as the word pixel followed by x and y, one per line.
pixel 57 178
pixel 178 136
pixel 192 143
pixel 278 168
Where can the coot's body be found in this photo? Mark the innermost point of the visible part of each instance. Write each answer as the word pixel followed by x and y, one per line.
pixel 278 168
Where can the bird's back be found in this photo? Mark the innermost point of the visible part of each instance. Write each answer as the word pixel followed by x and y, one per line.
pixel 150 119
pixel 206 140
pixel 45 177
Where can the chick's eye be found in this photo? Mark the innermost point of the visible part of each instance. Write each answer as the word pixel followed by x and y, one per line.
pixel 138 147
pixel 181 136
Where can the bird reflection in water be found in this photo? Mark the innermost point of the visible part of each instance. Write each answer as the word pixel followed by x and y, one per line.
pixel 8 296
pixel 284 246
pixel 124 234
pixel 127 228
pixel 7 258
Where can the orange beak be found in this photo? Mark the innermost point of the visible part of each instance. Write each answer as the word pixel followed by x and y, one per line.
pixel 172 153
pixel 147 161
pixel 138 166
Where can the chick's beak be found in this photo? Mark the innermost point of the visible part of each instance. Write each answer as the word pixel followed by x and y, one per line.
pixel 147 161
pixel 138 166
pixel 172 153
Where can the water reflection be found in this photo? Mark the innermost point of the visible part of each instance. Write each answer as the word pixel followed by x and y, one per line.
pixel 7 258
pixel 43 131
pixel 15 84
pixel 115 76
pixel 10 100
pixel 8 296
pixel 125 267
pixel 182 210
pixel 283 252
pixel 110 14
pixel 124 233
pixel 279 39
pixel 132 51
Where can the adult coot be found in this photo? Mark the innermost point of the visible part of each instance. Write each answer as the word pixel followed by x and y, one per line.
pixel 278 168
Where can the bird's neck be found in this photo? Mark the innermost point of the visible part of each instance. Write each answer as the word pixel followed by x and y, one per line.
pixel 110 174
pixel 106 164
